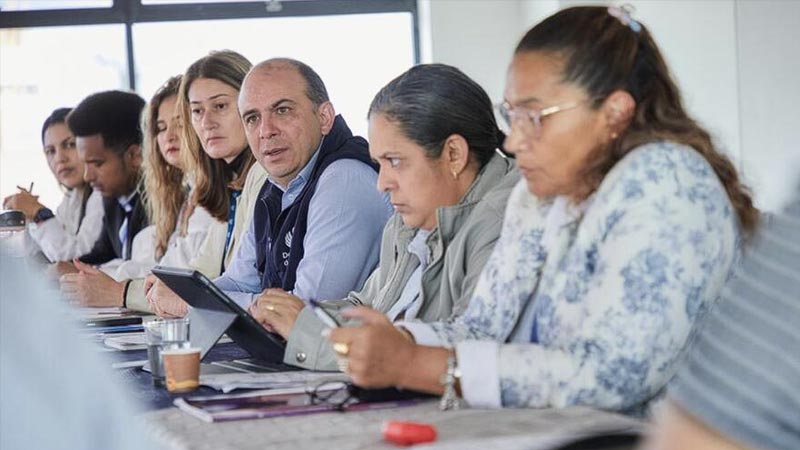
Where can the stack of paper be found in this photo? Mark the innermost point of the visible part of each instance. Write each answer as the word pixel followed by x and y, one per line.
pixel 136 341
pixel 126 341
pixel 227 382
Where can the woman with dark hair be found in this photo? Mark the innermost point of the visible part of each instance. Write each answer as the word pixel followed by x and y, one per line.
pixel 434 135
pixel 75 226
pixel 226 180
pixel 620 235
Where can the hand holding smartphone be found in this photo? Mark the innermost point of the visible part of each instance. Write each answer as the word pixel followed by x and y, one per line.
pixel 323 315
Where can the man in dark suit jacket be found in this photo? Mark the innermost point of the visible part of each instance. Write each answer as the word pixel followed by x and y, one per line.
pixel 109 138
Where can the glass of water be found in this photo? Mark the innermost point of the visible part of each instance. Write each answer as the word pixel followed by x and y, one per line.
pixel 163 334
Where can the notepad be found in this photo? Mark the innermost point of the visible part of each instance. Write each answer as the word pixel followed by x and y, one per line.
pixel 136 341
pixel 227 382
pixel 126 341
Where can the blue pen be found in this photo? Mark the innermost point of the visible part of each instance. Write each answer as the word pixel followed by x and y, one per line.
pixel 117 329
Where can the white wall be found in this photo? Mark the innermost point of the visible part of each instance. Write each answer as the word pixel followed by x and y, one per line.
pixel 735 61
pixel 768 37
pixel 476 36
pixel 698 41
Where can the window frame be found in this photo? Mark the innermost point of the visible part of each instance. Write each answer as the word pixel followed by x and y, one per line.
pixel 130 12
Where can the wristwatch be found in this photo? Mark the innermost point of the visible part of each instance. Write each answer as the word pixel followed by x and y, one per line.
pixel 451 381
pixel 43 214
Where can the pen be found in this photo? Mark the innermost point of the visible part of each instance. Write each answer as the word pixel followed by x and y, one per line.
pixel 30 189
pixel 323 315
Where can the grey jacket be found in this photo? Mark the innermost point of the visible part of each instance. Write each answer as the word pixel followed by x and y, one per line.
pixel 459 248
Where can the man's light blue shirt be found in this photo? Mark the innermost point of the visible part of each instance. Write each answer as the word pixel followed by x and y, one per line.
pixel 342 244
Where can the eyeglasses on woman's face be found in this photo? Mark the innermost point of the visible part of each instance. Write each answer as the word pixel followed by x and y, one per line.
pixel 529 120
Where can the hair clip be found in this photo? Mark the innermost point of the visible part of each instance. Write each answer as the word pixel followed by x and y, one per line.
pixel 623 13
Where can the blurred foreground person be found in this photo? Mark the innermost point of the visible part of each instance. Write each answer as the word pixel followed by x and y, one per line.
pixel 55 391
pixel 741 385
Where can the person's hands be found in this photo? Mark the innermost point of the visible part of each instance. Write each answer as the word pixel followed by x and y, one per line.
pixel 378 354
pixel 56 270
pixel 149 281
pixel 91 287
pixel 164 302
pixel 23 201
pixel 277 310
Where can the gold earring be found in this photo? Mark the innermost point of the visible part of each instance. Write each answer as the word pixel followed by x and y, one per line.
pixel 614 135
pixel 455 174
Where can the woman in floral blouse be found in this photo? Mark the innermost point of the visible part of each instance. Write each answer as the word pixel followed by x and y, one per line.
pixel 619 236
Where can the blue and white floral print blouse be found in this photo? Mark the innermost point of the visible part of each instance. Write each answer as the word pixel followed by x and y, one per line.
pixel 598 300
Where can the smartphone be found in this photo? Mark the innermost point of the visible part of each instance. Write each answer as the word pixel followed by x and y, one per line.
pixel 323 315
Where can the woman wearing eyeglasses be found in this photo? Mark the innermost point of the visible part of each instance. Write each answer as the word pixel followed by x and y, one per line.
pixel 618 238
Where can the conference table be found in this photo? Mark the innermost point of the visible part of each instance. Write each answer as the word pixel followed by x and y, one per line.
pixel 462 429
pixel 467 428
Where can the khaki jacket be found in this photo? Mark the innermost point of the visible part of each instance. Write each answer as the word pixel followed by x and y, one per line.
pixel 459 248
pixel 208 260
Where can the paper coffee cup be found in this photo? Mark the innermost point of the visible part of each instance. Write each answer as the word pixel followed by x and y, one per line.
pixel 182 369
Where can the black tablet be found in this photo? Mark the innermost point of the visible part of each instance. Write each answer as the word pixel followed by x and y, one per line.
pixel 214 313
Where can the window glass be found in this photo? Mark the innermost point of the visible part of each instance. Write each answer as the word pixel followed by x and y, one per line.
pixel 178 2
pixel 355 55
pixel 69 64
pixel 30 5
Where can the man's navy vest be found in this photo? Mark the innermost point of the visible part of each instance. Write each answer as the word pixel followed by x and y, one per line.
pixel 279 234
